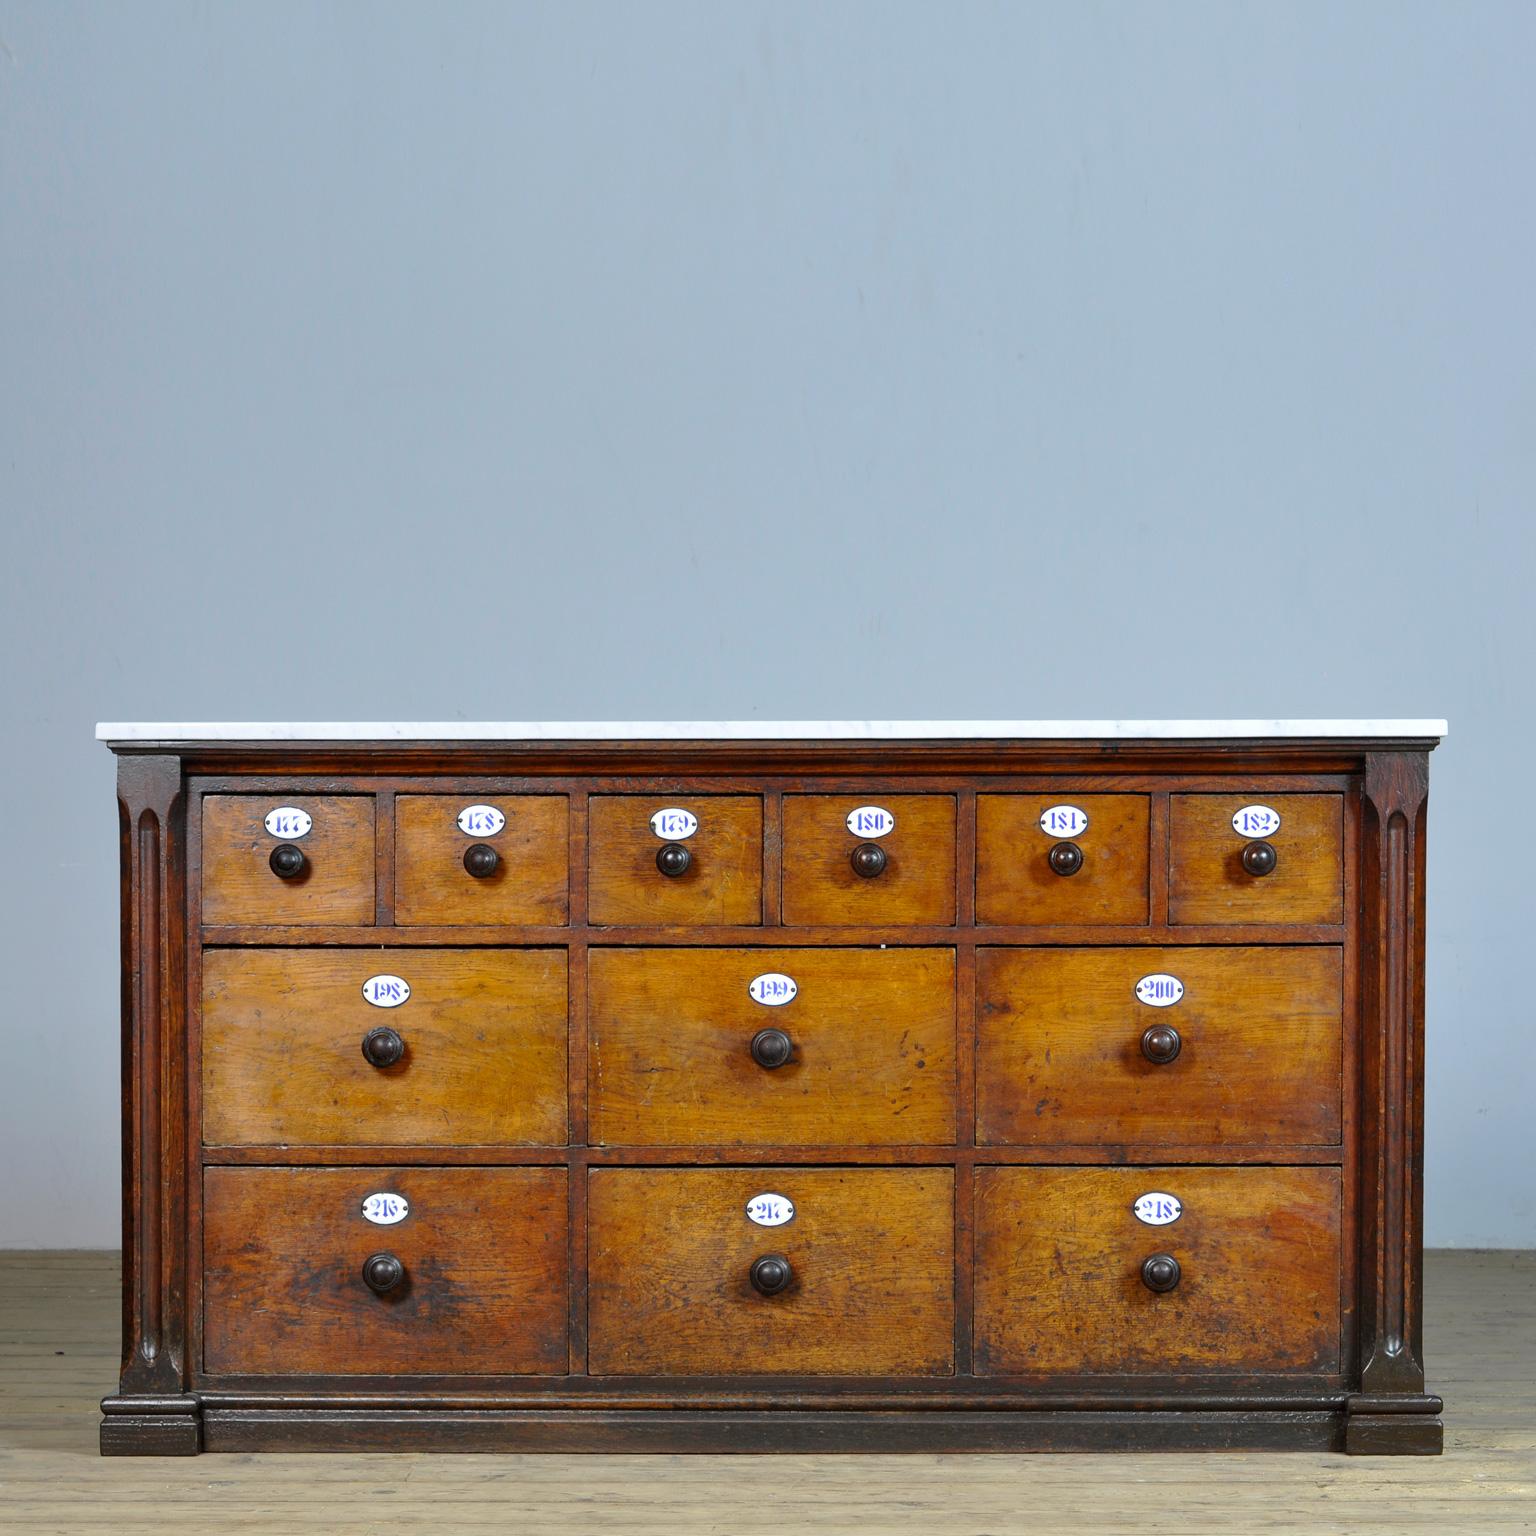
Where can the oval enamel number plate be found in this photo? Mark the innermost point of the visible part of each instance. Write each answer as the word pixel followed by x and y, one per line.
pixel 674 823
pixel 1159 990
pixel 770 1210
pixel 288 822
pixel 1157 1209
pixel 1063 821
pixel 481 821
pixel 772 989
pixel 1256 821
pixel 385 1210
pixel 386 991
pixel 871 821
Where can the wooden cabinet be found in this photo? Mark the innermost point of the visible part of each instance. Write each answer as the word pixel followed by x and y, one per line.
pixel 978 1090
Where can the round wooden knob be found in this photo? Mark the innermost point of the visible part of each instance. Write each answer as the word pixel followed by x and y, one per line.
pixel 480 859
pixel 770 1274
pixel 1066 858
pixel 287 861
pixel 1260 858
pixel 382 1047
pixel 1161 1044
pixel 382 1272
pixel 672 859
pixel 868 860
pixel 771 1048
pixel 1160 1273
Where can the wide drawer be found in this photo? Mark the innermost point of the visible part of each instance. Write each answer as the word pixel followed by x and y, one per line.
pixel 472 1279
pixel 1062 858
pixel 681 1054
pixel 1226 865
pixel 648 864
pixel 288 859
pixel 864 1270
pixel 1247 1277
pixel 481 859
pixel 871 859
pixel 1248 1055
pixel 294 1053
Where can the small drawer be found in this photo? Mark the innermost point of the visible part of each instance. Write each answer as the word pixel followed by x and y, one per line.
pixel 862 1053
pixel 1221 873
pixel 1249 1054
pixel 295 1054
pixel 1069 1280
pixel 842 867
pixel 645 874
pixel 1062 859
pixel 470 1281
pixel 315 865
pixel 497 859
pixel 858 1282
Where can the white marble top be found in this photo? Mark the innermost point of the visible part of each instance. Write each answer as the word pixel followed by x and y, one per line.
pixel 761 730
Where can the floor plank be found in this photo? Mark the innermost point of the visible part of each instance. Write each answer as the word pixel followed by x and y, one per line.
pixel 58 1346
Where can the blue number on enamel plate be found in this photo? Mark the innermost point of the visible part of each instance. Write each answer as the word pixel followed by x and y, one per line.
pixel 1256 821
pixel 481 821
pixel 386 991
pixel 1159 990
pixel 871 821
pixel 1157 1209
pixel 288 822
pixel 773 989
pixel 384 1210
pixel 674 823
pixel 769 1210
pixel 1063 820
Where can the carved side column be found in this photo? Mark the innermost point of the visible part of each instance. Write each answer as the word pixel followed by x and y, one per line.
pixel 1391 1412
pixel 152 1412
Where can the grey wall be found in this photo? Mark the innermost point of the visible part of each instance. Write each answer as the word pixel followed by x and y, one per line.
pixel 559 360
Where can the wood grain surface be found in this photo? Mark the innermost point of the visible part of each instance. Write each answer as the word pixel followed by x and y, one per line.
pixel 337 885
pixel 917 884
pixel 1016 884
pixel 871 1249
pixel 1058 1270
pixel 484 1032
pixel 873 1032
pixel 484 1255
pixel 1208 884
pixel 1059 1057
pixel 529 884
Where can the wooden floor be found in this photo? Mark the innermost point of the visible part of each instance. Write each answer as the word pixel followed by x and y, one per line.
pixel 58 1345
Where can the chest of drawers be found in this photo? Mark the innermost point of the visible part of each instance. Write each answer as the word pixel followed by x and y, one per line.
pixel 747 1088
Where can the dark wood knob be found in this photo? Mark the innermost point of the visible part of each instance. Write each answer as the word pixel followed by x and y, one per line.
pixel 1161 1044
pixel 672 859
pixel 382 1047
pixel 1160 1273
pixel 383 1272
pixel 480 859
pixel 770 1274
pixel 771 1048
pixel 287 861
pixel 1260 858
pixel 1066 858
pixel 868 860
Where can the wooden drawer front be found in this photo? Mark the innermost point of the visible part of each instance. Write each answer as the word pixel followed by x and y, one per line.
pixel 916 884
pixel 872 1032
pixel 1060 1053
pixel 1016 883
pixel 1207 882
pixel 1059 1256
pixel 336 884
pixel 871 1282
pixel 484 1035
pixel 483 1290
pixel 527 883
pixel 723 883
